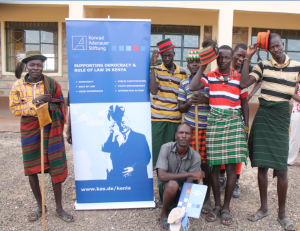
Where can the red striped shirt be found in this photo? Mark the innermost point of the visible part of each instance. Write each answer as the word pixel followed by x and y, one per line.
pixel 225 95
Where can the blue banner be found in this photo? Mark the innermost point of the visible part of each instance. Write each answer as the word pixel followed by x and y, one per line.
pixel 108 66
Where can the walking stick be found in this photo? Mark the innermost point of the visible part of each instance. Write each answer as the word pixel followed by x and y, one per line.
pixel 44 119
pixel 196 129
pixel 298 227
pixel 43 181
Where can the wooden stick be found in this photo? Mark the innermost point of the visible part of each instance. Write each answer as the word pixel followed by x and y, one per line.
pixel 196 129
pixel 43 180
pixel 298 227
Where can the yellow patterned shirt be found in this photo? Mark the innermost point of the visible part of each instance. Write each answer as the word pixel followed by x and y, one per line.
pixel 278 81
pixel 21 95
pixel 164 105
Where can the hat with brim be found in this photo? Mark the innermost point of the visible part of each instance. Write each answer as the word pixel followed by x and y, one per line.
pixel 33 55
pixel 174 219
pixel 193 55
pixel 208 55
pixel 165 45
pixel 263 40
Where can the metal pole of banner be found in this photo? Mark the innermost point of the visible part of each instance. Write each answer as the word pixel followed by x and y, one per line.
pixel 43 179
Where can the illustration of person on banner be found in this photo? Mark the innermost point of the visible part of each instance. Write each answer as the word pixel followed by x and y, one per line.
pixel 187 101
pixel 33 90
pixel 225 127
pixel 269 137
pixel 163 85
pixel 130 153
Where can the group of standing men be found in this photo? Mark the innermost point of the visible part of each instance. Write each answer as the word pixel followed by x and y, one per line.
pixel 221 98
pixel 223 117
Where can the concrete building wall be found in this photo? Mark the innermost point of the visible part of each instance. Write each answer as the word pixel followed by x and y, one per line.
pixel 228 22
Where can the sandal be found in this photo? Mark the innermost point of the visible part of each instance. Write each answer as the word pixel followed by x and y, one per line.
pixel 214 215
pixel 258 215
pixel 285 223
pixel 165 225
pixel 206 208
pixel 64 217
pixel 225 214
pixel 37 214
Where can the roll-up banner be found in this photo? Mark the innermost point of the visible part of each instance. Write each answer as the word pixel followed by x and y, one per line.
pixel 108 68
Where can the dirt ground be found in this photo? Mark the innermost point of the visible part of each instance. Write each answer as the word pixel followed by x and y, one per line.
pixel 17 201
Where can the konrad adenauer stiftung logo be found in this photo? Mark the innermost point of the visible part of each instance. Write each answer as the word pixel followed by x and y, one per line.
pixel 79 42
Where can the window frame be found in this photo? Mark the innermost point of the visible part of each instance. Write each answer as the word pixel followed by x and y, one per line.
pixel 182 47
pixel 57 58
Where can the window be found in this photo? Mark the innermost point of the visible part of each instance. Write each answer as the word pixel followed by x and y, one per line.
pixel 183 37
pixel 290 38
pixel 26 36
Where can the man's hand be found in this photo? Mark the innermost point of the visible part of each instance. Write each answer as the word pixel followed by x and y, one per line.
pixel 128 171
pixel 198 98
pixel 246 136
pixel 154 57
pixel 251 50
pixel 69 135
pixel 115 130
pixel 45 98
pixel 39 103
pixel 198 174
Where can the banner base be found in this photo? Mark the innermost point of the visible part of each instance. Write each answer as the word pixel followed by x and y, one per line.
pixel 114 205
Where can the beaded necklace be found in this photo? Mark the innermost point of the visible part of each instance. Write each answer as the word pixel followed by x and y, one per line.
pixel 280 66
pixel 220 77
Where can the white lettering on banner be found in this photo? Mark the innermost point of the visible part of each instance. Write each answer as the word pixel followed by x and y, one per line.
pixel 96 38
pixel 91 48
pixel 105 189
pixel 118 69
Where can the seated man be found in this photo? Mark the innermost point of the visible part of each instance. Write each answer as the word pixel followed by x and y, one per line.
pixel 177 163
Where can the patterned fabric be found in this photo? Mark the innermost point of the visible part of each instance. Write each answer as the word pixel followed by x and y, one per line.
pixel 164 105
pixel 54 147
pixel 201 144
pixel 184 94
pixel 278 84
pixel 225 95
pixel 296 105
pixel 21 95
pixel 225 137
pixel 269 136
pixel 165 45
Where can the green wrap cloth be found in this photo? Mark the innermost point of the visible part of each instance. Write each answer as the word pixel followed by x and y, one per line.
pixel 269 137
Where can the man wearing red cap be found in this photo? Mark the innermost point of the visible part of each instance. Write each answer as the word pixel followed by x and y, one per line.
pixel 269 137
pixel 163 85
pixel 225 135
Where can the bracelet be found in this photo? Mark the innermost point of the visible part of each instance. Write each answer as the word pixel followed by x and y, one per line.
pixel 248 59
pixel 250 95
pixel 152 66
pixel 246 129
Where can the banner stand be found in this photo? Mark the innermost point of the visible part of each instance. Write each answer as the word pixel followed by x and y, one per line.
pixel 108 66
pixel 114 205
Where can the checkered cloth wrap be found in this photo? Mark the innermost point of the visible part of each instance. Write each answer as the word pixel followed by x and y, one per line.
pixel 201 143
pixel 225 140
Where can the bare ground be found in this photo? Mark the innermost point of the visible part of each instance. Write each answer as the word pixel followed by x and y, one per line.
pixel 17 200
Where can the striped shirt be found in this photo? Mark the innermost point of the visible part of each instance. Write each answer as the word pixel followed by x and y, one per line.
pixel 164 105
pixel 184 95
pixel 278 84
pixel 21 95
pixel 224 95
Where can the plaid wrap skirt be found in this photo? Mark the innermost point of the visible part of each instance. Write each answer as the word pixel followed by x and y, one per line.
pixel 225 137
pixel 201 144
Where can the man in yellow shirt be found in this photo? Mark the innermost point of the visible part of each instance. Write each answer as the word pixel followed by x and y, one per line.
pixel 163 85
